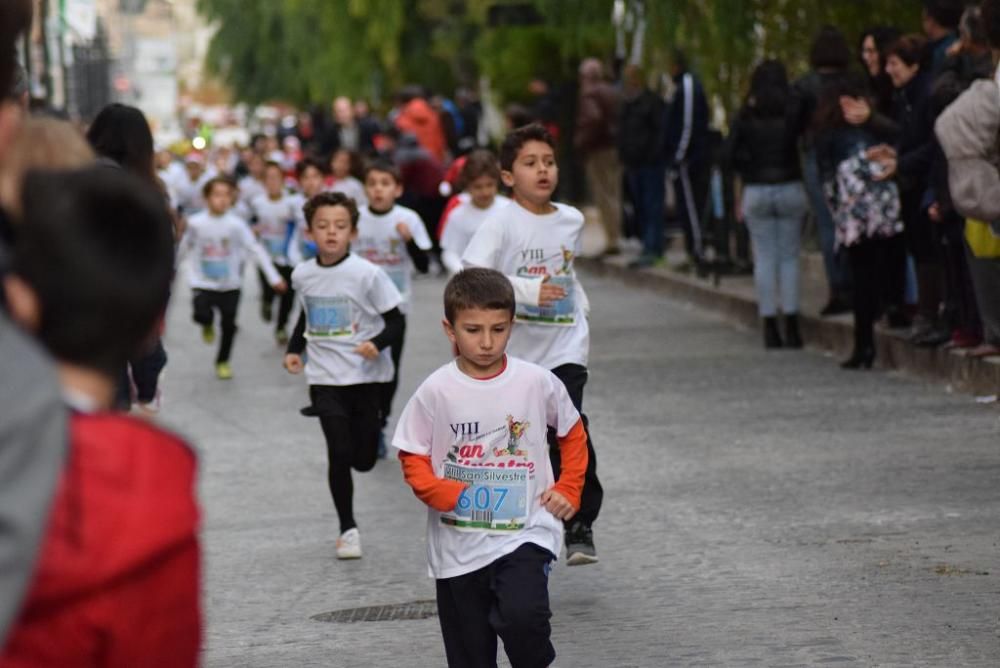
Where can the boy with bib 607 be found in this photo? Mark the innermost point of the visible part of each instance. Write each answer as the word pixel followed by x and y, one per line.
pixel 473 447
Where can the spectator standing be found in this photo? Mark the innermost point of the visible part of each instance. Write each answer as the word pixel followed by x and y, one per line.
pixel 348 131
pixel 940 20
pixel 875 43
pixel 594 138
pixel 763 152
pixel 417 117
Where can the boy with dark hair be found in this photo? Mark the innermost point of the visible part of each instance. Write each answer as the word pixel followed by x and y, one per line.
pixel 312 181
pixel 221 242
pixel 394 238
pixel 472 443
pixel 479 179
pixel 274 214
pixel 534 241
pixel 350 316
pixel 122 530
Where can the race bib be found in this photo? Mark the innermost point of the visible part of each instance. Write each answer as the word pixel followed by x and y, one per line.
pixel 398 273
pixel 496 500
pixel 215 270
pixel 275 246
pixel 562 312
pixel 329 317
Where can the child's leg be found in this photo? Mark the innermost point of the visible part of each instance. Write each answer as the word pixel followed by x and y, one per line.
pixel 287 300
pixel 574 377
pixel 267 294
pixel 146 370
pixel 228 303
pixel 366 423
pixel 520 614
pixel 389 389
pixel 464 609
pixel 201 306
pixel 336 424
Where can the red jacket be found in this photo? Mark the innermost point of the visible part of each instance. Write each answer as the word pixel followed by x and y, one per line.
pixel 117 579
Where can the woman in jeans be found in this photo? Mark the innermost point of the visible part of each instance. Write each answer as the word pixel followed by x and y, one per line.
pixel 763 153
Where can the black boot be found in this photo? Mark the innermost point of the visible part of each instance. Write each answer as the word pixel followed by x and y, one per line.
pixel 861 358
pixel 793 339
pixel 772 337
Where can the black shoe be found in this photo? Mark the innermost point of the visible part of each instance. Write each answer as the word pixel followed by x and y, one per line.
pixel 835 306
pixel 580 545
pixel 772 337
pixel 309 411
pixel 859 359
pixel 381 452
pixel 265 311
pixel 932 338
pixel 793 338
pixel 896 318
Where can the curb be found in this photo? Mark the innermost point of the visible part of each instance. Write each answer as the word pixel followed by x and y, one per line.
pixel 893 351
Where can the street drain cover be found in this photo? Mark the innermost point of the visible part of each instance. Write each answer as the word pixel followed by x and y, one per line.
pixel 381 613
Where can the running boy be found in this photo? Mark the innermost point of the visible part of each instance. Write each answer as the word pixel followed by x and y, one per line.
pixel 90 274
pixel 221 241
pixel 473 447
pixel 309 173
pixel 274 214
pixel 394 238
pixel 350 316
pixel 534 242
pixel 481 177
pixel 344 164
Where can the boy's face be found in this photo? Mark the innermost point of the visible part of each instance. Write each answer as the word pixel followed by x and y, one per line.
pixel 483 191
pixel 311 181
pixel 332 232
pixel 274 182
pixel 481 336
pixel 256 166
pixel 382 190
pixel 534 174
pixel 219 199
pixel 194 170
pixel 341 164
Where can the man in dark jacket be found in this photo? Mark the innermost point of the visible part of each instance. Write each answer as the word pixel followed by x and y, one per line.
pixel 686 152
pixel 639 141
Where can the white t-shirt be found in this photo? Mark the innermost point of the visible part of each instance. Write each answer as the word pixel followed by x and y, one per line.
pixel 492 433
pixel 300 248
pixel 528 247
pixel 343 306
pixel 189 193
pixel 219 246
pixel 353 188
pixel 249 188
pixel 379 242
pixel 276 221
pixel 461 225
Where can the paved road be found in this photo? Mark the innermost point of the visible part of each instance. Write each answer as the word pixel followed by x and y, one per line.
pixel 762 508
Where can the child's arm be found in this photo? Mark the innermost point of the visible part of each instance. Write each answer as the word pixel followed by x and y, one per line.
pixel 438 493
pixel 451 261
pixel 296 344
pixel 416 253
pixel 563 499
pixel 392 333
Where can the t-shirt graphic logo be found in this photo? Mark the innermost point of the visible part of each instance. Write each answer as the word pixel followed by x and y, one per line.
pixel 515 430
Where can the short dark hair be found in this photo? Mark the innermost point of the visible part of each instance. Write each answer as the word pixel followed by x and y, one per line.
pixel 206 190
pixel 516 139
pixel 386 167
pixel 97 247
pixel 477 287
pixel 331 199
pixel 271 164
pixel 946 13
pixel 990 10
pixel 481 162
pixel 307 162
pixel 830 50
pixel 911 49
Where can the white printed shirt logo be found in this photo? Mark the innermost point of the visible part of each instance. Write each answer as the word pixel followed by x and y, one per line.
pixel 498 474
pixel 329 317
pixel 214 260
pixel 558 266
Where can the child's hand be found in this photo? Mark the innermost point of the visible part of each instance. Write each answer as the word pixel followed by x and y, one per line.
pixel 557 504
pixel 280 287
pixel 368 350
pixel 404 232
pixel 293 363
pixel 550 293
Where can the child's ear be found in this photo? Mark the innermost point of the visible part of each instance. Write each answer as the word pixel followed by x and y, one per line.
pixel 22 303
pixel 449 330
pixel 507 178
pixel 399 190
pixel 354 233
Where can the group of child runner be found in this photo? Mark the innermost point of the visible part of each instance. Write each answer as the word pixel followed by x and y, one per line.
pixel 494 442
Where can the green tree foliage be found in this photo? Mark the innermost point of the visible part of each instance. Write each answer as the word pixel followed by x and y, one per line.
pixel 307 51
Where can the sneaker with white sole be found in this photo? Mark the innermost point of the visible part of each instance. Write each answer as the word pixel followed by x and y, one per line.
pixel 349 545
pixel 580 545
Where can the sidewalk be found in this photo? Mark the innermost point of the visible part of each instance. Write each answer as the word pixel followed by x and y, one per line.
pixel 735 298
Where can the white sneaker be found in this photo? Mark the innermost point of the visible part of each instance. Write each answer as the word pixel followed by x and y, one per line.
pixel 349 545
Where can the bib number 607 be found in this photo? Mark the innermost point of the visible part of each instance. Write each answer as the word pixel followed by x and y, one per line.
pixel 482 498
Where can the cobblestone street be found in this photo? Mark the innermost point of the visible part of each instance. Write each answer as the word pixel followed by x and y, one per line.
pixel 761 508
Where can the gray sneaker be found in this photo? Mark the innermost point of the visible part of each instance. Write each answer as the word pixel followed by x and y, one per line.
pixel 580 545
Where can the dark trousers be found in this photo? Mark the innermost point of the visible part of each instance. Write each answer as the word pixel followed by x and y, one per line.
pixel 878 268
pixel 647 186
pixel 960 310
pixel 351 418
pixel 285 301
pixel 692 196
pixel 574 377
pixel 389 389
pixel 227 302
pixel 510 599
pixel 143 371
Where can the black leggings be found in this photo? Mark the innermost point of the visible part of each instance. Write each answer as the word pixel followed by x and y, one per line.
pixel 351 418
pixel 285 301
pixel 227 303
pixel 389 389
pixel 878 267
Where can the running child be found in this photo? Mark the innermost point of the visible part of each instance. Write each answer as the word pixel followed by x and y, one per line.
pixel 221 242
pixel 344 164
pixel 394 238
pixel 350 317
pixel 309 173
pixel 473 447
pixel 481 177
pixel 274 216
pixel 534 241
